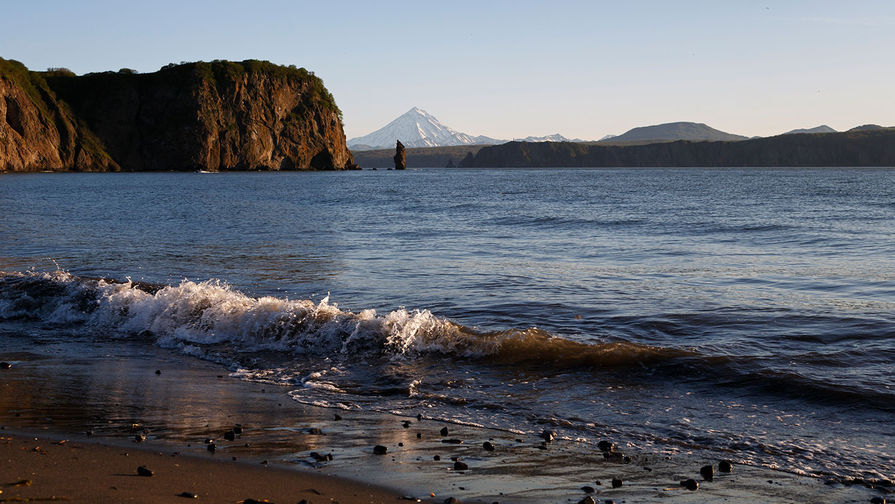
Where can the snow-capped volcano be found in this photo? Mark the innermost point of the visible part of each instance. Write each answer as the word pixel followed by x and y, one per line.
pixel 416 128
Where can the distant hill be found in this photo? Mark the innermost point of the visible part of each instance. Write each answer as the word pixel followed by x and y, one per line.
pixel 818 129
pixel 416 128
pixel 670 132
pixel 867 127
pixel 875 147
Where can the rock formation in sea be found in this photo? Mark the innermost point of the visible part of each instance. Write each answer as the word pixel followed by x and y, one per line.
pixel 400 156
pixel 252 115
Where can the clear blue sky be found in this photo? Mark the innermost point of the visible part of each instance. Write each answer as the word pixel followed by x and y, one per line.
pixel 511 68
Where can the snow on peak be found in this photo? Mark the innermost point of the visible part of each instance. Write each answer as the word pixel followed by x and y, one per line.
pixel 416 128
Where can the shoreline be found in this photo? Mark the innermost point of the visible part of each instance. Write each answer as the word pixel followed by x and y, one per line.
pixel 114 392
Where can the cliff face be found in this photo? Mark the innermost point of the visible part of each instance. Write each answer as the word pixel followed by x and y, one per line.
pixel 207 116
pixel 37 132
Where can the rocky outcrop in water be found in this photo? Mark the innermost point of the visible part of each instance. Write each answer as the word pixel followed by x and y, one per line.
pixel 400 156
pixel 252 115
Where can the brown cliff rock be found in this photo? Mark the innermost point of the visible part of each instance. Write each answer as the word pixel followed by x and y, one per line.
pixel 37 132
pixel 400 156
pixel 252 115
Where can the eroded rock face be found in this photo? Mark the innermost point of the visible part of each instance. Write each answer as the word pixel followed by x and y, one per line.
pixel 198 116
pixel 39 133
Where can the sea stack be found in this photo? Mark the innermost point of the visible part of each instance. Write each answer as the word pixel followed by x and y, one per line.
pixel 400 156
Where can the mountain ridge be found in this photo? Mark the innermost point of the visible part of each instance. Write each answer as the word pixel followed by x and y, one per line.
pixel 868 147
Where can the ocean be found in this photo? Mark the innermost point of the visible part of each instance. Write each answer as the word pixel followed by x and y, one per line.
pixel 742 314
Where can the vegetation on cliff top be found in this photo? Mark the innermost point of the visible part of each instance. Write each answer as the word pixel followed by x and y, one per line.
pixel 221 72
pixel 32 82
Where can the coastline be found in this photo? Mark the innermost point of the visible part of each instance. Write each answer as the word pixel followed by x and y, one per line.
pixel 113 392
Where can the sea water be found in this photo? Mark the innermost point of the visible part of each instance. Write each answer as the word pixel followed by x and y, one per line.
pixel 746 314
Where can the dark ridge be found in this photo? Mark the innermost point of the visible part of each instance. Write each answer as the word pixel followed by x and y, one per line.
pixel 853 148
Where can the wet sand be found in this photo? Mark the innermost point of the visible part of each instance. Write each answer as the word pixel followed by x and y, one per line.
pixel 112 392
pixel 35 469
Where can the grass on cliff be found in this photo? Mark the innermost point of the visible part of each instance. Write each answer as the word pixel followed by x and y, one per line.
pixel 32 82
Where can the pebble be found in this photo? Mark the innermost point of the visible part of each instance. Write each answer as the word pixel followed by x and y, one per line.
pixel 406 424
pixel 444 431
pixel 725 466
pixel 337 417
pixel 188 495
pixel 588 489
pixel 314 431
pixel 605 446
pixel 690 484
pixel 437 457
pixel 877 500
pixel 140 438
pixel 419 416
pixel 144 471
pixel 707 472
pixel 158 371
pixel 380 450
pixel 452 441
pixel 230 435
pixel 452 500
pixel 488 446
pixel 237 429
pixel 419 435
pixel 587 500
pixel 548 435
pixel 5 365
pixel 460 466
pixel 321 458
pixel 616 483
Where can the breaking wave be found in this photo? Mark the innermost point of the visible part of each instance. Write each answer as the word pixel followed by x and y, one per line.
pixel 213 313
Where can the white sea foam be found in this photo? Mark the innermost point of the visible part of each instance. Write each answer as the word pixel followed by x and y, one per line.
pixel 193 315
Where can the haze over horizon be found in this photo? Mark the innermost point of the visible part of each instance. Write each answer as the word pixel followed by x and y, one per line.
pixel 512 69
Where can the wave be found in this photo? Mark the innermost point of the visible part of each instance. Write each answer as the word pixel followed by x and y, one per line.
pixel 212 320
pixel 213 313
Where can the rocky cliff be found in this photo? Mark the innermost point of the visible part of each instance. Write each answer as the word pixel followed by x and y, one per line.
pixel 38 132
pixel 252 115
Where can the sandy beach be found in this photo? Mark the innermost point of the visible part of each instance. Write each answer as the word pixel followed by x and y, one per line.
pixel 38 469
pixel 286 451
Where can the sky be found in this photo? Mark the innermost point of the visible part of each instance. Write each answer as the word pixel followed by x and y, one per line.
pixel 510 69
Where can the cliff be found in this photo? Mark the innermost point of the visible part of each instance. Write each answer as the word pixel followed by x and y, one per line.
pixel 252 115
pixel 39 132
pixel 853 148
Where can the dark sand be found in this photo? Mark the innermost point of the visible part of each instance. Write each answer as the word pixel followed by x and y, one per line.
pixel 116 395
pixel 42 470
